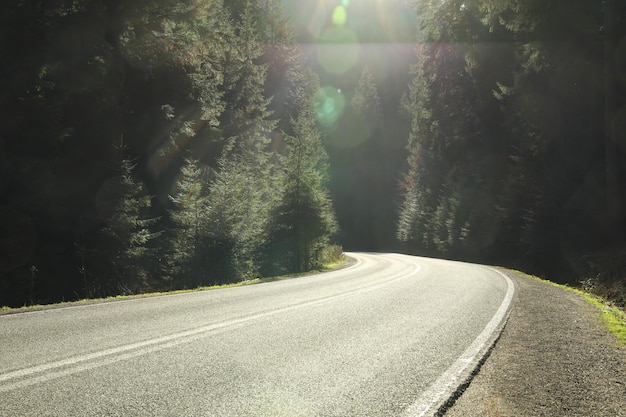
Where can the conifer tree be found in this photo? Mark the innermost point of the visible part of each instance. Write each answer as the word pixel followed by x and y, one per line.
pixel 189 235
pixel 367 101
pixel 553 104
pixel 304 220
pixel 447 190
pixel 370 185
pixel 242 195
pixel 132 234
pixel 116 259
pixel 176 54
pixel 245 123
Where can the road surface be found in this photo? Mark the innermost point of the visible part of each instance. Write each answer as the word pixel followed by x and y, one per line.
pixel 391 335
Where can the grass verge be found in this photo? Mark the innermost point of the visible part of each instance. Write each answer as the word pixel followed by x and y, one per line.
pixel 613 317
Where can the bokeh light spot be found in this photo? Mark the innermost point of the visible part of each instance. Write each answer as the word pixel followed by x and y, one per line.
pixel 328 105
pixel 345 3
pixel 339 16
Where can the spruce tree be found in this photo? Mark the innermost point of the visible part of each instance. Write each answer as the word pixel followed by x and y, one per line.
pixel 245 123
pixel 131 234
pixel 451 186
pixel 116 258
pixel 366 101
pixel 304 220
pixel 189 234
pixel 242 195
pixel 554 105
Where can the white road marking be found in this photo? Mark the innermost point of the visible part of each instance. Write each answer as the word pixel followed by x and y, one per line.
pixel 445 386
pixel 45 372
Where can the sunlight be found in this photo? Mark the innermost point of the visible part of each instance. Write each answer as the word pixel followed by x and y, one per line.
pixel 339 16
pixel 338 50
pixel 340 37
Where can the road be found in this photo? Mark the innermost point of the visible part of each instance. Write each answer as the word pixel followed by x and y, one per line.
pixel 389 336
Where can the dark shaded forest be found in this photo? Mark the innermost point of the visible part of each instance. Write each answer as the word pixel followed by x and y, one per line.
pixel 158 145
pixel 154 146
pixel 517 144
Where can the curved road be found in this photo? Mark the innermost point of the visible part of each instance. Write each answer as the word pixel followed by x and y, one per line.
pixel 391 335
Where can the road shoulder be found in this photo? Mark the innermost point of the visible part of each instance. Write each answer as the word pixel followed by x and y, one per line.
pixel 555 358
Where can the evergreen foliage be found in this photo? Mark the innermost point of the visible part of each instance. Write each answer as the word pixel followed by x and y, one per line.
pixel 365 166
pixel 516 149
pixel 128 233
pixel 512 158
pixel 304 220
pixel 187 86
pixel 189 234
pixel 366 100
pixel 242 196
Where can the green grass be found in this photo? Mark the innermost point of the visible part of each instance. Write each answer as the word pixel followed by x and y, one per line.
pixel 343 260
pixel 327 267
pixel 613 318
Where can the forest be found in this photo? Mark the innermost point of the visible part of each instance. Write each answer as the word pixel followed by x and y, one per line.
pixel 172 144
pixel 518 138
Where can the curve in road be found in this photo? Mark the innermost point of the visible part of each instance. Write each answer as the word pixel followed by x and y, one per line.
pixel 391 335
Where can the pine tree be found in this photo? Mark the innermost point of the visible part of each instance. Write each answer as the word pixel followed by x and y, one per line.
pixel 245 123
pixel 370 185
pixel 242 196
pixel 366 101
pixel 553 105
pixel 131 233
pixel 116 258
pixel 455 121
pixel 304 220
pixel 189 235
pixel 176 54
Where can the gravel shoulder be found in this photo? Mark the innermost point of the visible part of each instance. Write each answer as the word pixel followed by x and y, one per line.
pixel 554 358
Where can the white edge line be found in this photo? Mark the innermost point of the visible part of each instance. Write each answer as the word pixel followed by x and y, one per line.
pixel 457 374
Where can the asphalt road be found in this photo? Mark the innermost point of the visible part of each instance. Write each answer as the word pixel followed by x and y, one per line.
pixel 391 335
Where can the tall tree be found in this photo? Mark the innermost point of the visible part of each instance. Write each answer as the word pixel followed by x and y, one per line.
pixel 242 196
pixel 175 54
pixel 304 219
pixel 245 123
pixel 116 260
pixel 553 107
pixel 366 100
pixel 189 236
pixel 504 143
pixel 365 181
pixel 442 105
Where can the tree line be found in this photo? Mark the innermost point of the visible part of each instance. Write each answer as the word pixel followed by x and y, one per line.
pixel 155 145
pixel 516 152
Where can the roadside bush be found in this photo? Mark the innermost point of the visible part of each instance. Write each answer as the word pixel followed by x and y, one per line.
pixel 330 254
pixel 604 273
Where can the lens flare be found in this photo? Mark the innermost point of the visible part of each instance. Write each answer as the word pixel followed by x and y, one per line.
pixel 338 50
pixel 339 16
pixel 328 105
